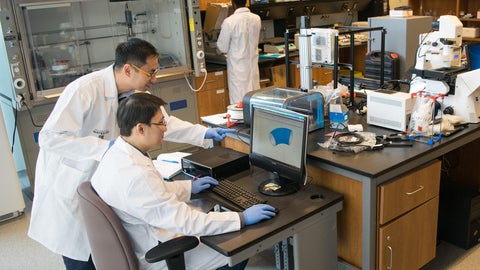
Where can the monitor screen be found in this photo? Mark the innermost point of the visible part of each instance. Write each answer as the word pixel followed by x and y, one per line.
pixel 472 52
pixel 278 144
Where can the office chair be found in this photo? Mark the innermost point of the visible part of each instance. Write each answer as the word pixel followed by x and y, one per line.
pixel 110 242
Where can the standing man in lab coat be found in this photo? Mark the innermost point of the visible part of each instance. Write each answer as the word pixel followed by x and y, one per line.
pixel 238 38
pixel 151 209
pixel 76 135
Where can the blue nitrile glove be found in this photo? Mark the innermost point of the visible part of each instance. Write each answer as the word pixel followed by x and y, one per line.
pixel 203 183
pixel 218 134
pixel 257 213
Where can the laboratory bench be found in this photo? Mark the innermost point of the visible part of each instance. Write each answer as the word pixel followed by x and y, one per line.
pixel 391 196
pixel 308 217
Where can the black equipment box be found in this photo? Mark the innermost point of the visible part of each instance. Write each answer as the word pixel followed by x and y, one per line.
pixel 459 214
pixel 217 162
pixel 391 68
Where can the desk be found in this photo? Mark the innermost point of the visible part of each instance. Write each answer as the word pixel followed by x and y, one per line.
pixel 359 176
pixel 309 216
pixel 372 169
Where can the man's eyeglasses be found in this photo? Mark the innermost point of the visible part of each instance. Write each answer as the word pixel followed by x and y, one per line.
pixel 162 122
pixel 148 74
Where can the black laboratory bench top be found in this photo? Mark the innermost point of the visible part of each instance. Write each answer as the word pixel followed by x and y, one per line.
pixel 217 62
pixel 213 67
pixel 366 170
pixel 376 163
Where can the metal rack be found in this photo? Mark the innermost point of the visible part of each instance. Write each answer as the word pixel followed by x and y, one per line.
pixel 343 30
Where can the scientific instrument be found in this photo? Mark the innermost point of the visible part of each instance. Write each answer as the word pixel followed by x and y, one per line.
pixel 442 48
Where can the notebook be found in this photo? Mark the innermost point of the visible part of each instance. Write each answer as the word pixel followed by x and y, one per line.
pixel 169 164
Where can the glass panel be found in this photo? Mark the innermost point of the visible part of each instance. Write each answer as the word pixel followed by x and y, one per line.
pixel 162 22
pixel 67 39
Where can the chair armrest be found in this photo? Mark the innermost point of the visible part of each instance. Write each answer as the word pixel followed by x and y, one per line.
pixel 171 248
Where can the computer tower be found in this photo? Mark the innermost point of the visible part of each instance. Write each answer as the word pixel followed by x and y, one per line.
pixel 217 162
pixel 459 214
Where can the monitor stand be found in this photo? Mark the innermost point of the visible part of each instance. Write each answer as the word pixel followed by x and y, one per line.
pixel 278 186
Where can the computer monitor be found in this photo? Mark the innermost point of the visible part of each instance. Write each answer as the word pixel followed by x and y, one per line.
pixel 472 52
pixel 278 144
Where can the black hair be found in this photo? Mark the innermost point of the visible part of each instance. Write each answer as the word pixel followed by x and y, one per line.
pixel 240 3
pixel 137 108
pixel 134 51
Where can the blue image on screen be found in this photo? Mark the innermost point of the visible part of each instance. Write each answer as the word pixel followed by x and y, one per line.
pixel 280 136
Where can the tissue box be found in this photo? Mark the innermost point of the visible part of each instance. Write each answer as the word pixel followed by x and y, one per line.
pixel 470 32
pixel 338 116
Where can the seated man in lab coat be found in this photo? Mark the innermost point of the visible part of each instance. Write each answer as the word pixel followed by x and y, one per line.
pixel 238 38
pixel 76 135
pixel 150 208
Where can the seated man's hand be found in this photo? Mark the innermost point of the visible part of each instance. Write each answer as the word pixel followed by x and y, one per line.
pixel 203 183
pixel 218 134
pixel 257 213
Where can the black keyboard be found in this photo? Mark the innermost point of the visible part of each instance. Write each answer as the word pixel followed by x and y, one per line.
pixel 237 194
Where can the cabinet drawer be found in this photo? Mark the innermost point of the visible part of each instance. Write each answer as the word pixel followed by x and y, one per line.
pixel 408 191
pixel 409 242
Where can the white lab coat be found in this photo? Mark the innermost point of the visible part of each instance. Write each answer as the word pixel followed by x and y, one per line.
pixel 152 209
pixel 72 141
pixel 239 39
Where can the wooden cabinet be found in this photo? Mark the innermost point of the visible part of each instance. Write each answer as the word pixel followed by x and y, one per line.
pixel 437 8
pixel 407 219
pixel 213 97
pixel 409 241
pixel 323 76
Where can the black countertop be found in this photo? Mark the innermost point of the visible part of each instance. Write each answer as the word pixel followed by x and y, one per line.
pixel 375 163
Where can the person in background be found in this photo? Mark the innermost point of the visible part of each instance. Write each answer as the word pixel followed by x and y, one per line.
pixel 154 210
pixel 78 132
pixel 238 38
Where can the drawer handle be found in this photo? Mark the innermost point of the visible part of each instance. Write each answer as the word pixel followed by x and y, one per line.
pixel 415 191
pixel 391 257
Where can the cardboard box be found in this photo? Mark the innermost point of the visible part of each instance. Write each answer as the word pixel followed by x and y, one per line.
pixel 470 32
pixel 214 16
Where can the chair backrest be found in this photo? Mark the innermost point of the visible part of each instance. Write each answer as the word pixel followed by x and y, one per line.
pixel 109 241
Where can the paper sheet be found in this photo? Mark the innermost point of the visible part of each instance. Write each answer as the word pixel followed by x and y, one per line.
pixel 216 119
pixel 169 164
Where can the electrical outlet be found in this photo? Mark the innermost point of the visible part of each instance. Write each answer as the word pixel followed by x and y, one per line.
pixel 20 100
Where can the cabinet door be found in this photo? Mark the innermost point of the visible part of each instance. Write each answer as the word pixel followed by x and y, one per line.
pixel 213 97
pixel 409 242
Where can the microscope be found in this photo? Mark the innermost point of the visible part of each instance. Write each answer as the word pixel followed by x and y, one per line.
pixel 438 58
pixel 442 48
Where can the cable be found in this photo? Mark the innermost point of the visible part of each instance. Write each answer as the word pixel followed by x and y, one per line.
pixel 203 83
pixel 348 139
pixel 15 125
pixel 31 117
pixel 240 138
